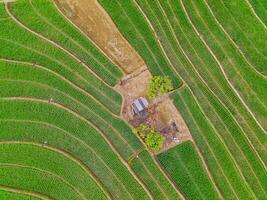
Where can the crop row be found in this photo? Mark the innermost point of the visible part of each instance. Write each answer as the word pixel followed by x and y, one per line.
pixel 23 46
pixel 5 194
pixel 43 159
pixel 28 81
pixel 31 179
pixel 245 30
pixel 137 32
pixel 39 122
pixel 3 14
pixel 243 77
pixel 150 174
pixel 206 67
pixel 43 18
pixel 219 161
pixel 260 8
pixel 184 166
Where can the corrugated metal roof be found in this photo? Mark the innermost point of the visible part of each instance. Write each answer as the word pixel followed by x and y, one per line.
pixel 139 104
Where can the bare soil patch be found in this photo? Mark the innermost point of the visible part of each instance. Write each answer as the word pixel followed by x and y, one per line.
pixel 161 112
pixel 92 19
pixel 168 113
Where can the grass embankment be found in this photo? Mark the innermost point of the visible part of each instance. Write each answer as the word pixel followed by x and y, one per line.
pixel 244 29
pixel 184 166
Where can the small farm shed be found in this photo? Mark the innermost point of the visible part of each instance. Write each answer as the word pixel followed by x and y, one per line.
pixel 139 105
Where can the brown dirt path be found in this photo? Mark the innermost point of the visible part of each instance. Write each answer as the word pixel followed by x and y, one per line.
pixel 92 19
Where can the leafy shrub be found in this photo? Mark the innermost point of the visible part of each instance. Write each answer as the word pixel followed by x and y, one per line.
pixel 159 85
pixel 152 139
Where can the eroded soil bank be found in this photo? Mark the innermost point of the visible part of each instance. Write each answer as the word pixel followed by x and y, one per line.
pixel 92 19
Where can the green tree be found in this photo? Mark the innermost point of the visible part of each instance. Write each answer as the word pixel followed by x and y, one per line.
pixel 152 139
pixel 142 130
pixel 158 86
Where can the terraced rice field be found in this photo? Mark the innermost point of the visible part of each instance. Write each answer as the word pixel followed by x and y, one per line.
pixel 61 132
pixel 224 101
pixel 184 166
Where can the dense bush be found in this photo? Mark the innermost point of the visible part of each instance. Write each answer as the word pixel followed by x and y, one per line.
pixel 152 139
pixel 159 85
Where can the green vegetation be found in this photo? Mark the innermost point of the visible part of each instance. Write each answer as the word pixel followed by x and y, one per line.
pixel 152 139
pixel 61 134
pixel 12 36
pixel 244 29
pixel 36 82
pixel 48 161
pixel 244 78
pixel 260 8
pixel 33 121
pixel 143 165
pixel 3 15
pixel 184 166
pixel 15 196
pixel 221 164
pixel 42 17
pixel 28 178
pixel 158 86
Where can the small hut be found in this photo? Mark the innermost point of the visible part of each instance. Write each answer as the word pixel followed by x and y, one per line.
pixel 139 106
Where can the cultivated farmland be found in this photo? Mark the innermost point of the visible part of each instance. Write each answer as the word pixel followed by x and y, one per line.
pixel 223 83
pixel 63 134
pixel 182 162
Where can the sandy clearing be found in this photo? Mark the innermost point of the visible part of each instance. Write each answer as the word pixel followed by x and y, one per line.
pixel 162 111
pixel 92 19
pixel 7 1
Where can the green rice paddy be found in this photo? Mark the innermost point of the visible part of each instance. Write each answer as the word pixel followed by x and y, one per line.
pixel 61 132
